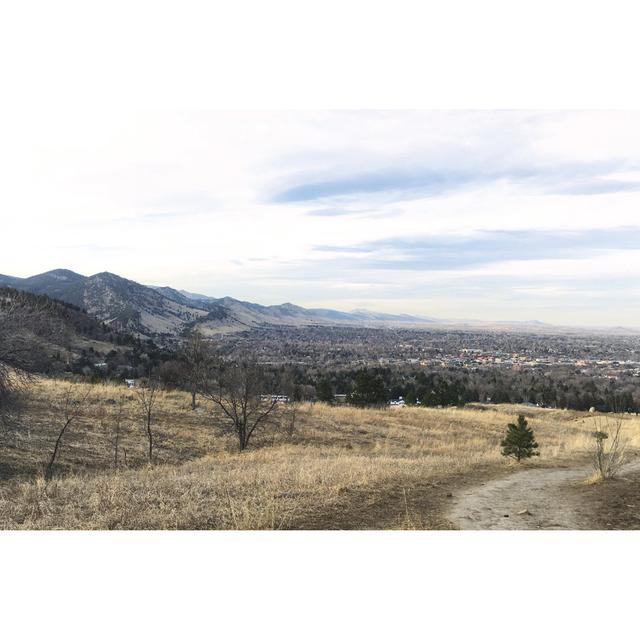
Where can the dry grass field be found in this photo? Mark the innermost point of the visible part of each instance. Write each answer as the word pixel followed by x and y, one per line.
pixel 340 467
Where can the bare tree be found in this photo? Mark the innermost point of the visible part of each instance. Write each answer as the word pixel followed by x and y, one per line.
pixel 238 391
pixel 117 429
pixel 71 409
pixel 289 387
pixel 16 361
pixel 147 396
pixel 609 449
pixel 25 320
pixel 291 417
pixel 198 359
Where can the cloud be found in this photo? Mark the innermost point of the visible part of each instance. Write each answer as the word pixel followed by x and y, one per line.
pixel 597 187
pixel 450 177
pixel 412 181
pixel 155 217
pixel 328 248
pixel 473 213
pixel 331 213
pixel 447 252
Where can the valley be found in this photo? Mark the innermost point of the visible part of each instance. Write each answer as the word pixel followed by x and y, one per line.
pixel 370 422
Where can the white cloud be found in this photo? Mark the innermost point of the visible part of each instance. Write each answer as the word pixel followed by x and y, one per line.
pixel 188 198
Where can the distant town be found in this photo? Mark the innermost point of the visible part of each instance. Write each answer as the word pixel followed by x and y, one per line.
pixel 335 347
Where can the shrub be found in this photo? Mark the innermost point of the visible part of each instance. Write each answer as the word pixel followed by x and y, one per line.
pixel 607 460
pixel 519 443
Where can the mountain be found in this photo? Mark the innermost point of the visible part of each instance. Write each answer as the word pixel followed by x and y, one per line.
pixel 131 306
pixel 365 315
pixel 159 310
pixel 57 331
pixel 197 296
pixel 60 284
pixel 8 281
pixel 123 304
pixel 182 298
pixel 227 314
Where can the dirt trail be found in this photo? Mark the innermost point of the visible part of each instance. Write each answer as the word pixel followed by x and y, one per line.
pixel 529 499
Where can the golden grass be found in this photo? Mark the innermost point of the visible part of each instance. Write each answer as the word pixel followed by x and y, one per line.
pixel 593 479
pixel 341 467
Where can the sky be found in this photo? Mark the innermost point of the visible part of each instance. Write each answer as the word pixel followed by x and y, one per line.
pixel 490 215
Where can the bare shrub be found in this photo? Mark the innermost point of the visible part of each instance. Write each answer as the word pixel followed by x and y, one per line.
pixel 238 391
pixel 290 418
pixel 117 430
pixel 146 395
pixel 70 409
pixel 609 449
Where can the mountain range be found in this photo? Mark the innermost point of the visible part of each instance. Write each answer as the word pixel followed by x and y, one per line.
pixel 163 311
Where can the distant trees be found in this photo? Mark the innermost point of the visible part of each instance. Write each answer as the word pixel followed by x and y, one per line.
pixel 448 393
pixel 410 397
pixel 548 387
pixel 620 402
pixel 324 391
pixel 369 390
pixel 519 443
pixel 238 391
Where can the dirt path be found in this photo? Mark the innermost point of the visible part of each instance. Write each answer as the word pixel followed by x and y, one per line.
pixel 529 499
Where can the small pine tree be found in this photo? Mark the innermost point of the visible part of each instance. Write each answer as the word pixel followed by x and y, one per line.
pixel 519 442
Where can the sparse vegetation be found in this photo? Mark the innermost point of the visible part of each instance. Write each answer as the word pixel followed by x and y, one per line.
pixel 343 467
pixel 608 455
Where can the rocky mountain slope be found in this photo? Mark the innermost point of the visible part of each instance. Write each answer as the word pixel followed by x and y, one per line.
pixel 51 329
pixel 163 311
pixel 123 304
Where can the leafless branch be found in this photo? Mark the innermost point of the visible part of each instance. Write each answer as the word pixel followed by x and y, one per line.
pixel 147 396
pixel 237 390
pixel 609 449
pixel 71 409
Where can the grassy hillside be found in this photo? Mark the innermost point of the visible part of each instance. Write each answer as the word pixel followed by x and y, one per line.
pixel 339 468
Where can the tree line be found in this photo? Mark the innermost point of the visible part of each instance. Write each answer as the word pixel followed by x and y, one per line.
pixel 556 388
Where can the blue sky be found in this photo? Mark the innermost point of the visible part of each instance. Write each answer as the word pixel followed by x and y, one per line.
pixel 468 214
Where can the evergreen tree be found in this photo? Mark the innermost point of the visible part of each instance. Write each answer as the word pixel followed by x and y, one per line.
pixel 410 397
pixel 324 391
pixel 369 390
pixel 519 442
